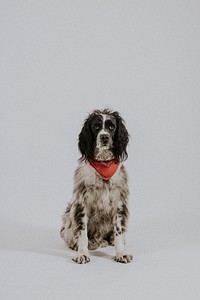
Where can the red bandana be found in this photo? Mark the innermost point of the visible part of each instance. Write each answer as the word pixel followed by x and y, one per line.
pixel 106 169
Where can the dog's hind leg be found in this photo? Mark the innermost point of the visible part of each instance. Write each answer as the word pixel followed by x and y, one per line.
pixel 93 244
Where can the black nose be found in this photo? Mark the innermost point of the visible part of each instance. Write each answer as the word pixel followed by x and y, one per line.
pixel 104 138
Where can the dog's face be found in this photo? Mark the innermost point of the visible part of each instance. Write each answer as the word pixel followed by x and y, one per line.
pixel 103 127
pixel 103 137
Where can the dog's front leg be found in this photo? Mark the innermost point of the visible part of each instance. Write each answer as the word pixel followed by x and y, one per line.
pixel 119 230
pixel 80 219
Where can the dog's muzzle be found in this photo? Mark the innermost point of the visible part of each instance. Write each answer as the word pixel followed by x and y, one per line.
pixel 104 139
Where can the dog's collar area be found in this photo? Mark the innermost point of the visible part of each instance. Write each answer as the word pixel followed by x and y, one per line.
pixel 106 169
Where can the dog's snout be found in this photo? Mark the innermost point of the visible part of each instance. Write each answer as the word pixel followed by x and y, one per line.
pixel 104 138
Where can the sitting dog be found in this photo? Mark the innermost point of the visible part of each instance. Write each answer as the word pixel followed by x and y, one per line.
pixel 97 214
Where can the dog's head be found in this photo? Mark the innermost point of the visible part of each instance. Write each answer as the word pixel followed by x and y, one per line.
pixel 103 137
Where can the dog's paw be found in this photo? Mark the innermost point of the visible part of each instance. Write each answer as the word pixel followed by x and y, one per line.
pixel 81 259
pixel 126 258
pixel 103 244
pixel 93 244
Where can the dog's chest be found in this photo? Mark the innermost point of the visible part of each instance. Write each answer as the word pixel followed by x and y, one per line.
pixel 103 197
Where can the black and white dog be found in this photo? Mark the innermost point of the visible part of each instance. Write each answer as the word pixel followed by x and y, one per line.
pixel 97 215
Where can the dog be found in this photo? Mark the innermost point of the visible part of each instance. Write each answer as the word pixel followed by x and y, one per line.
pixel 97 215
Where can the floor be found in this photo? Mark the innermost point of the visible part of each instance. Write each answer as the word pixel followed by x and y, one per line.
pixel 35 264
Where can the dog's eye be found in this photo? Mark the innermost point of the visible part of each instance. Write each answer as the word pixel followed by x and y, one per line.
pixel 97 127
pixel 111 127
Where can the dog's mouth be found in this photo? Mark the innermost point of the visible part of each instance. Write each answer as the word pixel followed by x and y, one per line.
pixel 104 146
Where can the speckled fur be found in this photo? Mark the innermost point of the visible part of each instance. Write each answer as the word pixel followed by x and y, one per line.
pixel 97 214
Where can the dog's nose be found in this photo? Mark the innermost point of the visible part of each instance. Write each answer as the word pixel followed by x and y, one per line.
pixel 104 138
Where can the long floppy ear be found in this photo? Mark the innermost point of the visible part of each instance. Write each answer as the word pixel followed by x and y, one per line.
pixel 86 141
pixel 121 139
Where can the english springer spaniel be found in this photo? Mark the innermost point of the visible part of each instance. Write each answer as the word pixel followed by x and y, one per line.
pixel 97 214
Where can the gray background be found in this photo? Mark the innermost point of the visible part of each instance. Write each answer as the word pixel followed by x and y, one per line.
pixel 58 61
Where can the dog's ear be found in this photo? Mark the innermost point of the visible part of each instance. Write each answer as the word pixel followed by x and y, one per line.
pixel 86 141
pixel 121 139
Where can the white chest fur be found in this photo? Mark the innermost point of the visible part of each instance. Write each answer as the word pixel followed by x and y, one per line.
pixel 98 193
